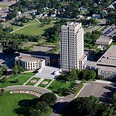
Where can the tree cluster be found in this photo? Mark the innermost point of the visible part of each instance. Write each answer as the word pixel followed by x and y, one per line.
pixel 17 69
pixel 13 42
pixel 76 74
pixel 114 99
pixel 87 22
pixel 19 21
pixel 111 19
pixel 3 70
pixel 90 38
pixel 52 34
pixel 88 106
pixel 67 8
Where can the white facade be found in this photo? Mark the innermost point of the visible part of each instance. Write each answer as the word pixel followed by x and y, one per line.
pixel 72 45
pixel 30 63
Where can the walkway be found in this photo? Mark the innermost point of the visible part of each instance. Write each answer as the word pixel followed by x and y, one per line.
pixel 27 87
pixel 49 84
pixel 28 80
pixel 37 83
pixel 20 28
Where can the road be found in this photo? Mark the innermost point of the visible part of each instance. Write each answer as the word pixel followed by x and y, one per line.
pixel 26 87
pixel 102 22
pixel 7 2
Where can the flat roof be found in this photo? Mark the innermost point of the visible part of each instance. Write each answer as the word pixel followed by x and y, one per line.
pixel 108 58
pixel 105 68
pixel 28 58
pixel 104 40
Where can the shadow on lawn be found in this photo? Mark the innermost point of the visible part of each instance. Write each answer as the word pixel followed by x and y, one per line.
pixel 25 105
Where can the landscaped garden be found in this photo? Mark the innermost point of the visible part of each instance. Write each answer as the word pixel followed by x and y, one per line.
pixel 33 81
pixel 60 87
pixel 18 79
pixel 44 83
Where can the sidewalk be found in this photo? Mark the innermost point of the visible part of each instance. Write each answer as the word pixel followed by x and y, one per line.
pixel 36 84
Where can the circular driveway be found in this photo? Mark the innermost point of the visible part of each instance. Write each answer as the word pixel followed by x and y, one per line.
pixel 26 87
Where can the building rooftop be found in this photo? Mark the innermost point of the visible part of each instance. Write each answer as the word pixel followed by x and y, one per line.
pixel 108 58
pixel 72 24
pixel 28 58
pixel 94 65
pixel 104 40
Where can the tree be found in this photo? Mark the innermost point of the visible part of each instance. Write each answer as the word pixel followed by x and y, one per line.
pixel 49 98
pixel 82 106
pixel 34 112
pixel 3 91
pixel 63 91
pixel 114 99
pixel 3 70
pixel 4 79
pixel 87 74
pixel 73 74
pixel 42 106
pixel 105 110
pixel 15 69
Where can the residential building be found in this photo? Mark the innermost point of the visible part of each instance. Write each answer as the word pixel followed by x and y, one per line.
pixel 72 46
pixel 96 16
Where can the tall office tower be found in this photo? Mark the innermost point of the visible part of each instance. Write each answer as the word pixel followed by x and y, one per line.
pixel 72 46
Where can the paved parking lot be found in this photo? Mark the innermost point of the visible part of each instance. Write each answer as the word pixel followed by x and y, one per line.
pixel 102 91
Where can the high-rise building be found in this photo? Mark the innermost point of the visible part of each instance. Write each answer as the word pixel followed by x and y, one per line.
pixel 72 46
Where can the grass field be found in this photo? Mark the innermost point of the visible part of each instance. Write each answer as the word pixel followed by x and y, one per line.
pixel 3 6
pixel 22 78
pixel 44 85
pixel 34 78
pixel 9 102
pixel 58 84
pixel 33 28
pixel 1 76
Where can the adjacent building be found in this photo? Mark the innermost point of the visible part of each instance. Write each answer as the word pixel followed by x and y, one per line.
pixel 30 63
pixel 106 65
pixel 103 41
pixel 72 46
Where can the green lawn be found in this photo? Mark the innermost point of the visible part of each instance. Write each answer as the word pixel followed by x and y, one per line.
pixel 9 102
pixel 1 76
pixel 22 78
pixel 101 28
pixel 58 84
pixel 44 85
pixel 34 78
pixel 3 5
pixel 33 29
